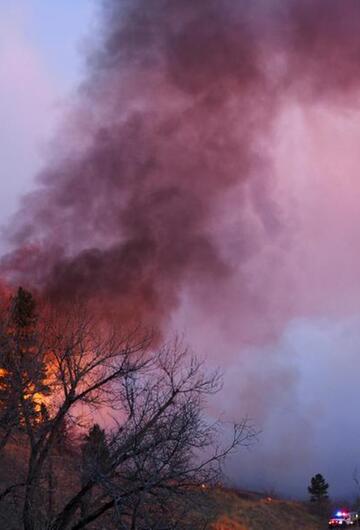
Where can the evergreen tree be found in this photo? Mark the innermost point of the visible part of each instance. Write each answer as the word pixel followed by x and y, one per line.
pixel 95 451
pixel 95 460
pixel 23 310
pixel 22 368
pixel 318 489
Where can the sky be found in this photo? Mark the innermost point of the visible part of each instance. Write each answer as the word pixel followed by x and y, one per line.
pixel 299 384
pixel 40 64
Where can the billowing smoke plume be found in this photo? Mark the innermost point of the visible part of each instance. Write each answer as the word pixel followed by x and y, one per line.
pixel 173 118
pixel 167 124
pixel 161 193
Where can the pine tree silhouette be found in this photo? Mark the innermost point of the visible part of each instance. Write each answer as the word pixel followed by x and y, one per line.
pixel 22 370
pixel 318 488
pixel 95 460
pixel 95 451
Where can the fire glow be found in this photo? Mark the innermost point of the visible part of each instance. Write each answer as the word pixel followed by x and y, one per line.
pixel 162 193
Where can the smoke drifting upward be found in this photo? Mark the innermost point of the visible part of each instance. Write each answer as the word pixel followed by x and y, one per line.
pixel 174 120
pixel 173 106
pixel 162 192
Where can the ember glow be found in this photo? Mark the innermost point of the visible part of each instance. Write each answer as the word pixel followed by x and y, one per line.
pixel 205 179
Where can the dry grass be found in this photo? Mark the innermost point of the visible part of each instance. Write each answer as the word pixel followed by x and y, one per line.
pixel 226 510
pixel 210 509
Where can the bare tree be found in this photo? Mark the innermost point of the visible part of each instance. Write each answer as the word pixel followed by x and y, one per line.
pixel 159 444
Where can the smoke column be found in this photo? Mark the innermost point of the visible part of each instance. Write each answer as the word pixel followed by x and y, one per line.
pixel 158 138
pixel 172 121
pixel 161 196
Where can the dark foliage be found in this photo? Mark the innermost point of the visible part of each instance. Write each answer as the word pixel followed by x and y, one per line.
pixel 318 488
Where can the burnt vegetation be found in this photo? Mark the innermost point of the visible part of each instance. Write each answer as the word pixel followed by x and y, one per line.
pixel 59 372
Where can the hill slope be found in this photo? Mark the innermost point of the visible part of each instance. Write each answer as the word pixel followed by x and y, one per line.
pixel 210 508
pixel 227 510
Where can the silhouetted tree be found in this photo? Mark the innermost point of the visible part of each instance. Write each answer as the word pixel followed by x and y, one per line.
pixel 22 369
pixel 23 313
pixel 95 460
pixel 95 451
pixel 160 447
pixel 318 489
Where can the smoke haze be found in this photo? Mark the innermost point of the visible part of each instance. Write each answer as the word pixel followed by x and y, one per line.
pixel 205 179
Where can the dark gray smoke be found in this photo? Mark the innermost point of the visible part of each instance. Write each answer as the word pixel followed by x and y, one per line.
pixel 174 102
pixel 173 114
pixel 160 181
